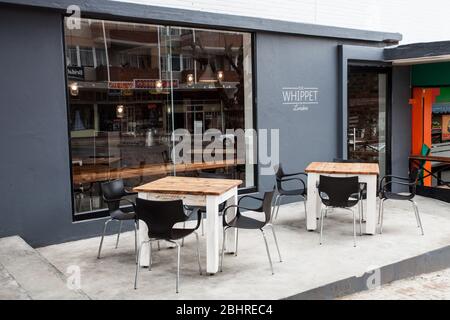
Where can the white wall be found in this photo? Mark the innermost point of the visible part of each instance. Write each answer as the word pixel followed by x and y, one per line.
pixel 417 20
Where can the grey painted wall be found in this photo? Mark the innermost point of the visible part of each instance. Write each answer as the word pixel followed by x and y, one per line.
pixel 401 121
pixel 288 61
pixel 34 170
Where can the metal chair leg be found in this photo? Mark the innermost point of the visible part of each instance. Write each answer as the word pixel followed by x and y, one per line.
pixel 198 253
pixel 267 249
pixel 321 224
pixel 360 218
pixel 159 246
pixel 274 206
pixel 237 240
pixel 416 211
pixel 276 241
pixel 362 210
pixel 150 255
pixel 223 249
pixel 178 264
pixel 103 236
pixel 182 240
pixel 136 239
pixel 118 234
pixel 203 227
pixel 137 266
pixel 354 228
pixel 381 214
pixel 278 207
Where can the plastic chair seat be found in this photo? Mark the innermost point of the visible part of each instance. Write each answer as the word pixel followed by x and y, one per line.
pixel 397 196
pixel 293 192
pixel 122 215
pixel 244 222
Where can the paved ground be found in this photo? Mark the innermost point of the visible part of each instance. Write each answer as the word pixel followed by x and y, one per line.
pixel 431 286
pixel 306 265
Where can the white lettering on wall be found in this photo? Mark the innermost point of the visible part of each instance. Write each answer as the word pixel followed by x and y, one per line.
pixel 300 98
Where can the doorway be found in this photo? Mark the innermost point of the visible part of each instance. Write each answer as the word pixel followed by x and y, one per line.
pixel 368 106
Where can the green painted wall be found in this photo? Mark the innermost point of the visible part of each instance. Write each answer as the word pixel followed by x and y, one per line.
pixel 431 74
pixel 444 96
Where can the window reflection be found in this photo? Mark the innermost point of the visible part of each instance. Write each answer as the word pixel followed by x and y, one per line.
pixel 131 85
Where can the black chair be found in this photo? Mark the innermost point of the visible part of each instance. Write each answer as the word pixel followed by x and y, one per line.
pixel 339 192
pixel 281 178
pixel 114 193
pixel 386 194
pixel 160 218
pixel 240 221
pixel 363 185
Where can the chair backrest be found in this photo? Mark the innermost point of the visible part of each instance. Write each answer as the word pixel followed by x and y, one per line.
pixel 338 189
pixel 112 192
pixel 414 175
pixel 160 216
pixel 267 204
pixel 279 175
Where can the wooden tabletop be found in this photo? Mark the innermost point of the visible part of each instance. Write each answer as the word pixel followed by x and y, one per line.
pixel 430 158
pixel 189 185
pixel 343 168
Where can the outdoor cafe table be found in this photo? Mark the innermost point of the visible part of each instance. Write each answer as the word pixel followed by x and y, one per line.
pixel 195 192
pixel 366 172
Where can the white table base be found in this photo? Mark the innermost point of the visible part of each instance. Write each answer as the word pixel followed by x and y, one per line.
pixel 314 204
pixel 213 224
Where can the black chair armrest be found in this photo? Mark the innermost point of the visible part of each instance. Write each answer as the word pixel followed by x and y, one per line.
pixel 237 212
pixel 120 199
pixel 410 184
pixel 249 196
pixel 199 216
pixel 298 179
pixel 392 177
pixel 130 193
pixel 129 202
pixel 295 174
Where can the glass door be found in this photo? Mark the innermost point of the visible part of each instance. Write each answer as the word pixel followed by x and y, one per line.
pixel 367 114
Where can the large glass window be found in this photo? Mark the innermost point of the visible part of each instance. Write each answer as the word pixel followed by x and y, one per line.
pixel 130 85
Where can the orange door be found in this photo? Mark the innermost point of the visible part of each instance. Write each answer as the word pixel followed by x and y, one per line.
pixel 421 117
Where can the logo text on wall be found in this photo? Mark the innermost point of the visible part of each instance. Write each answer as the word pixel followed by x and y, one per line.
pixel 300 98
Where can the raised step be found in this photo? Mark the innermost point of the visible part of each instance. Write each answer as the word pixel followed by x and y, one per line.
pixel 28 275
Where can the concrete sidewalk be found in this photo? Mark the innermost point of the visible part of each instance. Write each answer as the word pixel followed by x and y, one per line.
pixel 430 286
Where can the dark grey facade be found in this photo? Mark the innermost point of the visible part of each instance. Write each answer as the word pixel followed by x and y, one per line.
pixel 35 167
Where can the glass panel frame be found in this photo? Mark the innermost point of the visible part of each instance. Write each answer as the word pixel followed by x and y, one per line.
pixel 91 121
pixel 381 148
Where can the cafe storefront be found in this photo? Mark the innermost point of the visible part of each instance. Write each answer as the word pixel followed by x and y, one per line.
pixel 102 101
